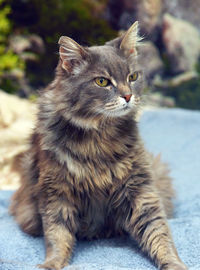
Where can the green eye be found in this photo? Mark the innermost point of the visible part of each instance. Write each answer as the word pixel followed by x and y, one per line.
pixel 133 77
pixel 102 81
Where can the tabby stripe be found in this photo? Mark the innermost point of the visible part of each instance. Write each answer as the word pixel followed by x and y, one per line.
pixel 78 158
pixel 60 220
pixel 144 226
pixel 154 253
pixel 154 230
pixel 158 235
pixel 164 266
pixel 146 214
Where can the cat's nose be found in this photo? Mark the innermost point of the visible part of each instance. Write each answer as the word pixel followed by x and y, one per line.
pixel 127 97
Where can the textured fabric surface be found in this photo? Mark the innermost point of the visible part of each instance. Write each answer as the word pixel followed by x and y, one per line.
pixel 174 133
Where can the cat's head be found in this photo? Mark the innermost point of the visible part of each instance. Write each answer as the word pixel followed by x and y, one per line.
pixel 100 81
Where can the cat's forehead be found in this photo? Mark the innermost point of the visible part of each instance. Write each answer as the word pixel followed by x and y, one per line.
pixel 104 50
pixel 110 59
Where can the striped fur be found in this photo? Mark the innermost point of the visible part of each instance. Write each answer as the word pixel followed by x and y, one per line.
pixel 87 174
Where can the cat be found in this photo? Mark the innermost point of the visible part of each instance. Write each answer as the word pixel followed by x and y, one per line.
pixel 87 174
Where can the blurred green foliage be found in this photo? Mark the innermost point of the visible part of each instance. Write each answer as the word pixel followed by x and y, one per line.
pixel 80 19
pixel 9 61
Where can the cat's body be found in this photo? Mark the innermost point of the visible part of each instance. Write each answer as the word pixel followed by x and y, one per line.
pixel 87 174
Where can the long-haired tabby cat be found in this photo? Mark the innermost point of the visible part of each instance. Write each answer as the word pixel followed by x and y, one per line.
pixel 87 174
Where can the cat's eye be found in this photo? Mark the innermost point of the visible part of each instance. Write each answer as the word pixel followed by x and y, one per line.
pixel 133 77
pixel 101 81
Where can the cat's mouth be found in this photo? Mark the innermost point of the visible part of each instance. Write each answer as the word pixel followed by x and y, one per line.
pixel 119 107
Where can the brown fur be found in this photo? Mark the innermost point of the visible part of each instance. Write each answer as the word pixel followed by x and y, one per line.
pixel 87 174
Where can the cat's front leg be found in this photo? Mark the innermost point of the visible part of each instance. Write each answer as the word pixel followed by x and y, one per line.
pixel 147 224
pixel 59 228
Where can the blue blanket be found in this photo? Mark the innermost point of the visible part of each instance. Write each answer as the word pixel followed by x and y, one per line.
pixel 176 134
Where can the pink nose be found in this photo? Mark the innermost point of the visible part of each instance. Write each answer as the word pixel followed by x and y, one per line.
pixel 127 97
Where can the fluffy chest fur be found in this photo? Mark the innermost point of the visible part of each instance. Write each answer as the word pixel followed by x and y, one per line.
pixel 89 168
pixel 89 153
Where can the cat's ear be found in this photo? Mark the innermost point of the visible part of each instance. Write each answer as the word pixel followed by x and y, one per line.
pixel 72 55
pixel 128 42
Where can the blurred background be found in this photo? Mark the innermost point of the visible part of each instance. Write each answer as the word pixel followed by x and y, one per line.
pixel 29 32
pixel 30 29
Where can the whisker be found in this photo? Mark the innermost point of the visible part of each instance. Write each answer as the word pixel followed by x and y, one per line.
pixel 112 108
pixel 110 104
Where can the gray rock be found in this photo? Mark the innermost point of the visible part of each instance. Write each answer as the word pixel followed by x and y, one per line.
pixel 182 43
pixel 19 43
pixel 156 100
pixel 175 81
pixel 188 10
pixel 148 12
pixel 33 43
pixel 150 60
pixel 122 13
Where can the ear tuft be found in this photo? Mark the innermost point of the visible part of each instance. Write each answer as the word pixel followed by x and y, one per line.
pixel 130 40
pixel 72 55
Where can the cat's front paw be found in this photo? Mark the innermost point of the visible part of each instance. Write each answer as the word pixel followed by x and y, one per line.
pixel 175 266
pixel 52 264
